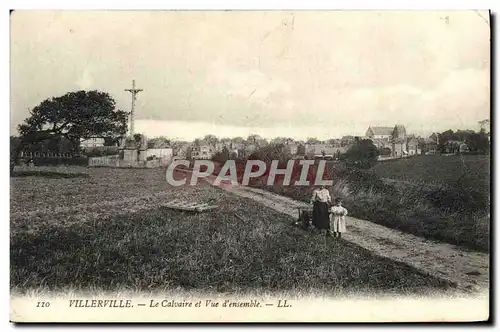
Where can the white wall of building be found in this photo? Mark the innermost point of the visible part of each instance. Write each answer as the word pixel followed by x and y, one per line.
pixel 92 142
pixel 160 153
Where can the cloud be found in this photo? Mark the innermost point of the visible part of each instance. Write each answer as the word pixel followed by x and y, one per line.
pixel 246 83
pixel 460 100
pixel 338 70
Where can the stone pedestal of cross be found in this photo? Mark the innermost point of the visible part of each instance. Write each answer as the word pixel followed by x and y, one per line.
pixel 134 92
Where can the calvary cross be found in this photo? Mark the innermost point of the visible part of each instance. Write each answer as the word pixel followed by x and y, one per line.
pixel 134 92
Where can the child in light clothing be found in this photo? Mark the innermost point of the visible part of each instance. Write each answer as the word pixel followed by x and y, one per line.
pixel 337 218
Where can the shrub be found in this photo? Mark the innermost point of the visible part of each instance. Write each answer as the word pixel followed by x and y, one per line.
pixel 77 161
pixel 457 198
pixel 362 154
pixel 101 151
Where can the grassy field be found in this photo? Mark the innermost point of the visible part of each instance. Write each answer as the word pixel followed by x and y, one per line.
pixel 445 198
pixel 438 170
pixel 103 229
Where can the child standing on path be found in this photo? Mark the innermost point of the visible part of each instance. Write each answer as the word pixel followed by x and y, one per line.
pixel 337 219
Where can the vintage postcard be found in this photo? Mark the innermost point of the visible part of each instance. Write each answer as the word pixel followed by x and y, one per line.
pixel 250 166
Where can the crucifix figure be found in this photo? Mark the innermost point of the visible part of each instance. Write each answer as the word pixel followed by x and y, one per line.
pixel 134 92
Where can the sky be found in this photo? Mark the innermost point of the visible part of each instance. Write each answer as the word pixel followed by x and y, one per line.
pixel 299 74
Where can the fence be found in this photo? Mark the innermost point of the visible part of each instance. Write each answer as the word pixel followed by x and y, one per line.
pixel 50 159
pixel 32 155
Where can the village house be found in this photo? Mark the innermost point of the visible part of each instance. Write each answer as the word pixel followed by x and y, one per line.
pixel 379 132
pixel 412 146
pixel 394 139
pixel 398 138
pixel 382 144
pixel 325 151
pixel 453 146
pixel 202 150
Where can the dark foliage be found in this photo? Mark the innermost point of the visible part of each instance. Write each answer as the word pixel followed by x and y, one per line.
pixel 362 154
pixel 74 116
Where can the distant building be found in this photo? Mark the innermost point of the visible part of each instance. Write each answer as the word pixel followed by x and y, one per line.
pixel 237 146
pixel 453 146
pixel 92 142
pixel 394 139
pixel 293 147
pixel 412 146
pixel 399 148
pixel 202 151
pixel 382 143
pixel 160 153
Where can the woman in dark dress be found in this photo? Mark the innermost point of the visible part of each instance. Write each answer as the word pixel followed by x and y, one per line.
pixel 321 201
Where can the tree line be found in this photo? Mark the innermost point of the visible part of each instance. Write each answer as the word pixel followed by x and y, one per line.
pixel 58 124
pixel 476 141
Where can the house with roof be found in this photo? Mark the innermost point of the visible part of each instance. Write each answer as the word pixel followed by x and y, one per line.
pixel 202 150
pixel 455 146
pixel 92 142
pixel 394 139
pixel 404 145
pixel 412 146
pixel 323 151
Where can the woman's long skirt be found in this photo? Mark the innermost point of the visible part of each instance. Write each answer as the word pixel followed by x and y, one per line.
pixel 321 218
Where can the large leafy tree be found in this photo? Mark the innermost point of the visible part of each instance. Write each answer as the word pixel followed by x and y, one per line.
pixel 73 116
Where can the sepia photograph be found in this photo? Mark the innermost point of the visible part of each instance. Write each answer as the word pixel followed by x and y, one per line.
pixel 270 166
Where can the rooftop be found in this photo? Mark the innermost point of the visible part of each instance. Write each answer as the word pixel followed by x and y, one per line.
pixel 382 130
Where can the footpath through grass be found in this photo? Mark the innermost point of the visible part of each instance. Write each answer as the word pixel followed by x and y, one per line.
pixel 445 198
pixel 163 249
